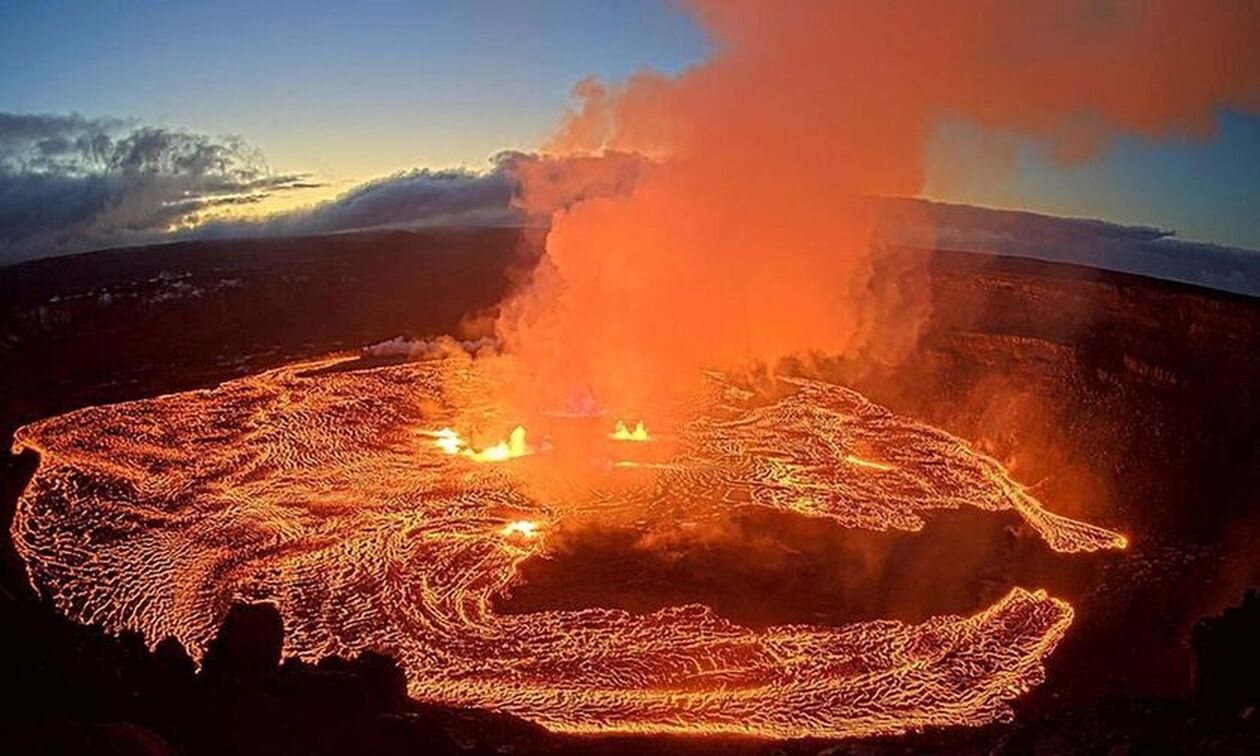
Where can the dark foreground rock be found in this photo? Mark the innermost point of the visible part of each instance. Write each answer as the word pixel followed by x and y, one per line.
pixel 1228 652
pixel 80 691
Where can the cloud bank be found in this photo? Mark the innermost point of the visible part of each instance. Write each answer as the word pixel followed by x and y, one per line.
pixel 424 197
pixel 70 183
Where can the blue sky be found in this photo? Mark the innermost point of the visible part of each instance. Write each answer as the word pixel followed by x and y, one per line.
pixel 345 88
pixel 1205 189
pixel 352 91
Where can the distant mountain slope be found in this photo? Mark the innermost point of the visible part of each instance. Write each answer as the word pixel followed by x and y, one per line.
pixel 1093 243
pixel 1098 244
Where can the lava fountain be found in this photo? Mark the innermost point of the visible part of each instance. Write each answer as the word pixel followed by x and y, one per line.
pixel 350 499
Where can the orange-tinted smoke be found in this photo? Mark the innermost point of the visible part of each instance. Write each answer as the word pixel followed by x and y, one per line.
pixel 748 237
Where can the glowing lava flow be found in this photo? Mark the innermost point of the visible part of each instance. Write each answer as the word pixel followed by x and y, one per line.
pixel 317 490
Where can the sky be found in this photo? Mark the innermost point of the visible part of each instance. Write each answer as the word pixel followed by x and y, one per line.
pixel 348 92
pixel 1205 189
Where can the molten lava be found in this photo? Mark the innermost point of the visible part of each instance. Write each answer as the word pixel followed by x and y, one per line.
pixel 309 488
pixel 451 442
pixel 526 529
pixel 622 433
pixel 855 460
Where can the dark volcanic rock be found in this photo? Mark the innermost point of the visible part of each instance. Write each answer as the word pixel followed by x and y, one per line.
pixel 1227 649
pixel 247 646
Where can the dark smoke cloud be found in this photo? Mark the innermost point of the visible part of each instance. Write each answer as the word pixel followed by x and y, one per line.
pixel 70 183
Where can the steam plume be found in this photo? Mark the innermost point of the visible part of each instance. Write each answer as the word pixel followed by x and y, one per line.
pixel 748 235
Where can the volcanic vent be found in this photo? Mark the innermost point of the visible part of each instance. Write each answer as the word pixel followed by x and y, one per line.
pixel 356 501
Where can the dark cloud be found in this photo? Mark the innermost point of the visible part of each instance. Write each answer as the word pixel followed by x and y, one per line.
pixel 455 197
pixel 52 143
pixel 70 183
pixel 415 198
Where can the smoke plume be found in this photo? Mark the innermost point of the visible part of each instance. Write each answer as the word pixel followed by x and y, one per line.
pixel 748 232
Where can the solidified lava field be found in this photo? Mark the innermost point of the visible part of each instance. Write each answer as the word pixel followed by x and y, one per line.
pixel 330 493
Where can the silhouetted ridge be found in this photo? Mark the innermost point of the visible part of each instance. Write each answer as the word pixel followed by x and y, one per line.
pixel 248 644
